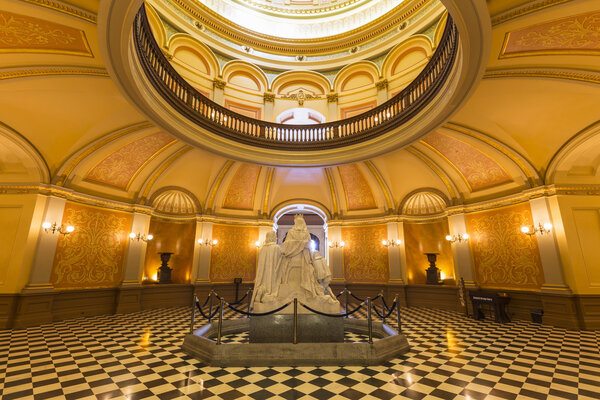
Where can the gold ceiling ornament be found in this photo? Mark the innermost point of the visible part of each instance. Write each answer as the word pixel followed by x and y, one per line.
pixel 300 96
pixel 11 73
pixel 524 10
pixel 269 97
pixel 66 9
pixel 332 98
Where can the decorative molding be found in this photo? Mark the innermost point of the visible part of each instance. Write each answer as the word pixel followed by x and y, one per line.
pixel 65 9
pixel 382 84
pixel 332 98
pixel 20 72
pixel 334 200
pixel 160 170
pixel 384 188
pixel 215 187
pixel 270 173
pixel 524 10
pixel 219 84
pixel 574 75
pixel 269 97
pixel 436 169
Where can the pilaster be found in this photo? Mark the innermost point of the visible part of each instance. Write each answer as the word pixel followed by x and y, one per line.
pixel 461 251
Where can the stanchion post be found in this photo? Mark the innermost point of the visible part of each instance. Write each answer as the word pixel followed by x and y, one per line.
pixel 397 300
pixel 210 306
pixel 220 325
pixel 249 294
pixel 383 310
pixel 369 320
pixel 194 301
pixel 295 321
pixel 346 302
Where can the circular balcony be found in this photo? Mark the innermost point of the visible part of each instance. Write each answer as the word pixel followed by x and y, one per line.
pixel 153 84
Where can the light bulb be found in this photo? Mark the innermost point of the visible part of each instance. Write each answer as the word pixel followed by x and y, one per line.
pixel 525 229
pixel 448 237
pixel 330 244
pixel 257 243
pixel 46 225
pixel 70 228
pixel 215 241
pixel 132 235
pixel 398 241
pixel 547 226
pixel 342 243
pixel 465 236
pixel 384 242
pixel 200 241
pixel 150 237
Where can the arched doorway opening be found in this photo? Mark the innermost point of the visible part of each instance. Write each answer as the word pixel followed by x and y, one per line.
pixel 316 222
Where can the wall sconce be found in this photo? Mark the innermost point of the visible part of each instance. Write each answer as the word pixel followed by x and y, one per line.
pixel 55 228
pixel 337 244
pixel 139 236
pixel 541 229
pixel 257 243
pixel 207 242
pixel 391 243
pixel 457 238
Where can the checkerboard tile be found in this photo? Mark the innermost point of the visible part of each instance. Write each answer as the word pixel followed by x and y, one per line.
pixel 138 356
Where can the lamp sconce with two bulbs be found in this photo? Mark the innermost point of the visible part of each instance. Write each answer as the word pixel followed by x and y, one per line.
pixel 458 238
pixel 544 229
pixel 391 243
pixel 208 242
pixel 139 236
pixel 55 228
pixel 336 244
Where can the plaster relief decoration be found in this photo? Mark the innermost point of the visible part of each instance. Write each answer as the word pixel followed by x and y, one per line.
pixel 240 193
pixel 365 259
pixel 503 256
pixel 356 188
pixel 94 256
pixel 577 34
pixel 479 170
pixel 120 167
pixel 21 33
pixel 235 255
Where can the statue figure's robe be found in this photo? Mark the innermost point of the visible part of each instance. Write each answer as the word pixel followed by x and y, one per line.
pixel 268 274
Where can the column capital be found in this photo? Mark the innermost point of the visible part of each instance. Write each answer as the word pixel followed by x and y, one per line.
pixel 219 84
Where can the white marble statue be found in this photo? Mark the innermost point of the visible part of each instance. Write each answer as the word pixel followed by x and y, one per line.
pixel 298 275
pixel 268 276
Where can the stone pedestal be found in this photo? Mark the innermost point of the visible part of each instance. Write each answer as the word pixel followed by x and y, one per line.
pixel 312 328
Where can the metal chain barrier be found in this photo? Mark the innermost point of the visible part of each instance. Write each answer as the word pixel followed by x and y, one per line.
pixel 389 310
pixel 252 314
pixel 333 315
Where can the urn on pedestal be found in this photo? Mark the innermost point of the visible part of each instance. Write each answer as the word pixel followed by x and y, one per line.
pixel 433 272
pixel 164 272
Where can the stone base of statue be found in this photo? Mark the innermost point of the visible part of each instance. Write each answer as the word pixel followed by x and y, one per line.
pixel 279 328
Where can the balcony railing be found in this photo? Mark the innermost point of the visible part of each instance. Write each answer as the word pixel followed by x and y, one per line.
pixel 217 119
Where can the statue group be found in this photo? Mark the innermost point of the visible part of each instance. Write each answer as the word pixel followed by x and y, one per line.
pixel 292 271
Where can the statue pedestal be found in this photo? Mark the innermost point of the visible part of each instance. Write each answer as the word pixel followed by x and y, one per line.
pixel 312 328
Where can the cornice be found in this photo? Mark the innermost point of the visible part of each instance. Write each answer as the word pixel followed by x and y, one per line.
pixel 45 70
pixel 65 8
pixel 551 73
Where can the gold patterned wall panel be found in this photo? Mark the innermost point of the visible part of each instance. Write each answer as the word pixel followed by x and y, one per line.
pixel 503 256
pixel 359 195
pixel 365 258
pixel 240 194
pixel 172 237
pixel 479 170
pixel 235 255
pixel 94 254
pixel 120 167
pixel 420 238
pixel 22 33
pixel 577 34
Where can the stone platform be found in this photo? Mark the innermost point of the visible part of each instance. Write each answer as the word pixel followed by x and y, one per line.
pixel 202 345
pixel 312 328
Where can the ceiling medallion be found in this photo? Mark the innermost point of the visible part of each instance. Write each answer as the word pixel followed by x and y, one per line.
pixel 354 50
pixel 402 26
pixel 301 58
pixel 198 25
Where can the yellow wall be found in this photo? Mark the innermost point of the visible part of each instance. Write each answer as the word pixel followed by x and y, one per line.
pixel 503 256
pixel 173 237
pixel 20 226
pixel 93 255
pixel 429 237
pixel 578 237
pixel 365 258
pixel 235 254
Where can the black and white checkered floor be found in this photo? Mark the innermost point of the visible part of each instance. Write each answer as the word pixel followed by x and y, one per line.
pixel 138 356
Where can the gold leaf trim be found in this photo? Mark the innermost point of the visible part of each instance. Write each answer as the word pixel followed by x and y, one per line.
pixel 65 9
pixel 575 76
pixel 13 73
pixel 524 10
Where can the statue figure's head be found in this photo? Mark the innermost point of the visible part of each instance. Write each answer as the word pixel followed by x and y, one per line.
pixel 299 222
pixel 271 237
